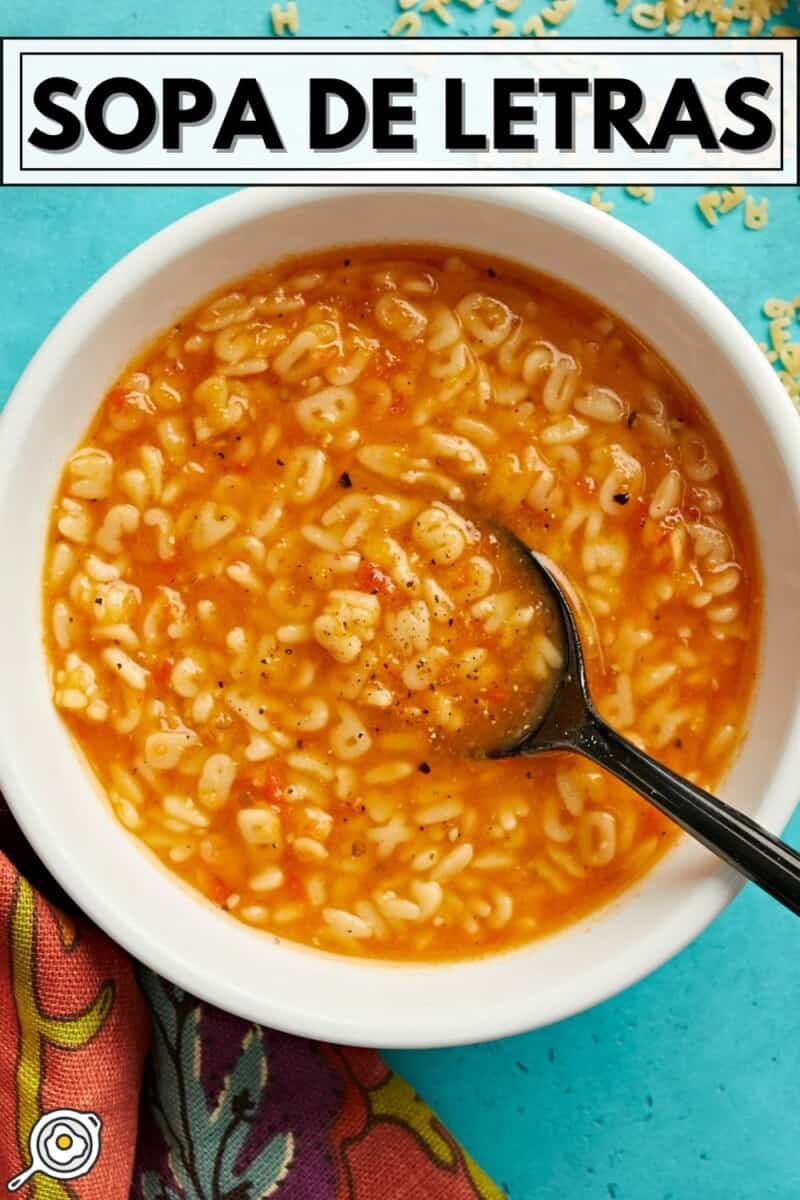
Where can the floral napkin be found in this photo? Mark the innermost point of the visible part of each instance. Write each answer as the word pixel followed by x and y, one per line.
pixel 115 1084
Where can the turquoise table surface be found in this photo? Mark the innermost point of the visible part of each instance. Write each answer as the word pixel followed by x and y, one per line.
pixel 686 1087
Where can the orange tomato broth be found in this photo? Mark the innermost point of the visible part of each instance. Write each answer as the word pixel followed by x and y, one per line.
pixel 530 813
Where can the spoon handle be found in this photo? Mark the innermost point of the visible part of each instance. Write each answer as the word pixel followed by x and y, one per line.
pixel 731 835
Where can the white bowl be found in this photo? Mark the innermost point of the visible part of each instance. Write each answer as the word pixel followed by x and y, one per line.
pixel 119 884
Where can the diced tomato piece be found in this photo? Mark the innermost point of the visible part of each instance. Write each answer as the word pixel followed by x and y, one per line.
pixel 292 885
pixel 495 693
pixel 218 890
pixel 370 578
pixel 117 397
pixel 162 671
pixel 272 789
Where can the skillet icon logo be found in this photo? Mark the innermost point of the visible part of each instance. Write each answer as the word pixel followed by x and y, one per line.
pixel 64 1144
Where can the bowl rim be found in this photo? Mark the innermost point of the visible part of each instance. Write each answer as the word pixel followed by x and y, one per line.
pixel 769 402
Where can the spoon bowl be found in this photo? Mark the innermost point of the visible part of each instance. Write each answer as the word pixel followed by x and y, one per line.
pixel 562 705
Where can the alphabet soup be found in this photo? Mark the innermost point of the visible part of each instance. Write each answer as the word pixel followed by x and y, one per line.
pixel 279 620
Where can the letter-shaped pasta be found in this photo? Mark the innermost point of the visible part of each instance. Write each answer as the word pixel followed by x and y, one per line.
pixel 667 495
pixel 442 533
pixel 326 410
pixel 602 404
pixel 292 364
pixel 223 411
pixel 213 522
pixel 163 750
pixel 90 471
pixel 410 628
pixel 162 522
pixel 487 321
pixel 597 838
pixel 260 827
pixel 400 317
pixel 225 311
pixel 305 474
pixel 349 620
pixel 350 738
pixel 444 330
pixel 216 780
pixel 120 520
pixel 562 370
pixel 75 524
pixel 700 466
pixel 464 454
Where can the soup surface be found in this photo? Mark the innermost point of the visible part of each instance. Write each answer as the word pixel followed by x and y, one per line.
pixel 280 619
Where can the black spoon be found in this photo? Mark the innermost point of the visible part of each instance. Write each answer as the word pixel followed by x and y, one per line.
pixel 567 720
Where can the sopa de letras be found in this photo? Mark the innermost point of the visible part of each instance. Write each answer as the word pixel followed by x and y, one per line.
pixel 339 115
